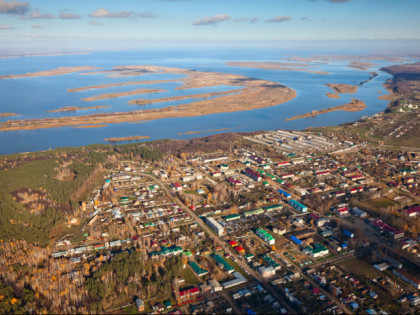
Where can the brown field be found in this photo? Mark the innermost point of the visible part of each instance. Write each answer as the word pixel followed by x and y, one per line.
pixel 254 93
pixel 45 73
pixel 353 106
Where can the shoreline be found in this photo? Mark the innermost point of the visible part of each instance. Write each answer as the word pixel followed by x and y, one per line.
pixel 121 139
pixel 254 94
pixel 120 94
pixel 46 73
pixel 74 108
pixel 275 66
pixel 340 88
pixel 7 114
pixel 354 106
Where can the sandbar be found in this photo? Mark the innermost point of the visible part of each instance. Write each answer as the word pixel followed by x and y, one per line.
pixel 119 94
pixel 253 94
pixel 340 88
pixel 326 58
pixel 177 98
pixel 354 106
pixel 7 114
pixel 102 86
pixel 361 65
pixel 126 138
pixel 74 108
pixel 45 73
pixel 90 126
pixel 274 66
pixel 204 131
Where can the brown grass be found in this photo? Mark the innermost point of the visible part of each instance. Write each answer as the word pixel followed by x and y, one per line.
pixel 340 88
pixel 90 126
pixel 119 94
pixel 353 106
pixel 127 138
pixel 74 108
pixel 7 114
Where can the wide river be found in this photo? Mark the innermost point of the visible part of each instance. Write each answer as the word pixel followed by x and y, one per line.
pixel 33 97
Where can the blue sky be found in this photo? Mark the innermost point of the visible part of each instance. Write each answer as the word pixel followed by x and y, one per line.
pixel 100 23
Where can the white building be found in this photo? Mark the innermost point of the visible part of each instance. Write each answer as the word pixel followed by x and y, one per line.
pixel 215 226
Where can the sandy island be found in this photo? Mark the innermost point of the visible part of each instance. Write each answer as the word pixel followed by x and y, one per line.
pixel 275 66
pixel 353 106
pixel 253 94
pixel 7 114
pixel 46 73
pixel 126 138
pixel 204 131
pixel 90 126
pixel 119 94
pixel 102 86
pixel 74 108
pixel 340 88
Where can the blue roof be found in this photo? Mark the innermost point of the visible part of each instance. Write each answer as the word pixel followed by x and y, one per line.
pixel 296 240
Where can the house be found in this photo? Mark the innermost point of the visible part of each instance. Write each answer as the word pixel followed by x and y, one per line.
pixel 215 285
pixel 358 213
pixel 176 186
pixel 252 174
pixel 341 211
pixel 140 305
pixel 266 272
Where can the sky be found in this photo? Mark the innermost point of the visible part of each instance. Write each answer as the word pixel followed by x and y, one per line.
pixel 90 24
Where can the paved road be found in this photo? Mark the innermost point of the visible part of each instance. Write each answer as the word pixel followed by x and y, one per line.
pixel 227 249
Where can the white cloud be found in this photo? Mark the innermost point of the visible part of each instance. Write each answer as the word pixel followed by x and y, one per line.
pixel 212 20
pixel 279 19
pixel 14 7
pixel 35 14
pixel 104 13
pixel 96 23
pixel 6 27
pixel 69 16
pixel 36 26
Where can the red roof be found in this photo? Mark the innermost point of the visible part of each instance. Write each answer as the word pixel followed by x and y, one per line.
pixel 176 185
pixel 239 249
pixel 233 243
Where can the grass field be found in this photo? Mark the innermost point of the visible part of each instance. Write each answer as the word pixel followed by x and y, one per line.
pixel 381 203
pixel 189 276
pixel 359 268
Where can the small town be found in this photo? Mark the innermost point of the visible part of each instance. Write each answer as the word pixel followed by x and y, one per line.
pixel 305 224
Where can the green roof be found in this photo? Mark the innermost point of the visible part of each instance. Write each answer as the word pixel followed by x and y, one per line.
pixel 220 260
pixel 197 269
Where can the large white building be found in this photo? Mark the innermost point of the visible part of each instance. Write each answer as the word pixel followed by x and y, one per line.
pixel 215 226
